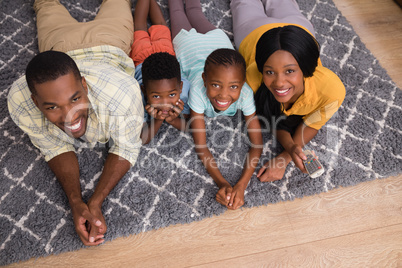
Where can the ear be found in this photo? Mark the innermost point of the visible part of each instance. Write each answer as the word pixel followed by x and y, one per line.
pixel 84 84
pixel 181 86
pixel 34 100
pixel 143 89
pixel 204 78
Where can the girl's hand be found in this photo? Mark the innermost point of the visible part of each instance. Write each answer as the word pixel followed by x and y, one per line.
pixel 224 194
pixel 237 198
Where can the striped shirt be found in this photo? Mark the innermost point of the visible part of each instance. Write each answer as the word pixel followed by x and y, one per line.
pixel 116 110
pixel 192 49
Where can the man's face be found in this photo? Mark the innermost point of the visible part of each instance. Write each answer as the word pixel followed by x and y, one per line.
pixel 64 102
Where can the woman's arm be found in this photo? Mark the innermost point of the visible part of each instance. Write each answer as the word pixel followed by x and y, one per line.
pixel 274 169
pixel 294 145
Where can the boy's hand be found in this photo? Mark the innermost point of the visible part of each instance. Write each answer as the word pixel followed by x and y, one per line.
pixel 155 113
pixel 175 112
pixel 224 194
pixel 237 197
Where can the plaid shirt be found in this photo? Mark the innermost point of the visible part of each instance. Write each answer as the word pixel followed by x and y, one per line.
pixel 116 111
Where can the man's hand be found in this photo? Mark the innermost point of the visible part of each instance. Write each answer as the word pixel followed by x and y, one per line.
pixel 88 226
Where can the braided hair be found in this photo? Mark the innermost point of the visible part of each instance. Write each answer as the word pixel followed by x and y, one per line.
pixel 226 57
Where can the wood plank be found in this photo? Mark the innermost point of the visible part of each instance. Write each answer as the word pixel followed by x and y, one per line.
pixel 345 211
pixel 377 248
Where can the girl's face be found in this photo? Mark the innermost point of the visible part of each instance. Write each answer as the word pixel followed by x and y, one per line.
pixel 283 77
pixel 223 84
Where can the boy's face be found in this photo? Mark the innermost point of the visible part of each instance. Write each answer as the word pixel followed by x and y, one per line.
pixel 64 102
pixel 223 84
pixel 163 94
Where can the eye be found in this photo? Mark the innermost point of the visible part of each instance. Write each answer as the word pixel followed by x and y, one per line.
pixel 76 99
pixel 269 72
pixel 155 96
pixel 234 87
pixel 51 108
pixel 215 85
pixel 172 95
pixel 290 71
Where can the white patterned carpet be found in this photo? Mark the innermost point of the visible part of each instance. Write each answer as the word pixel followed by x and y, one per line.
pixel 169 185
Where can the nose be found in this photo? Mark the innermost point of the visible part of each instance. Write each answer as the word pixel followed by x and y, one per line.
pixel 279 80
pixel 68 113
pixel 224 92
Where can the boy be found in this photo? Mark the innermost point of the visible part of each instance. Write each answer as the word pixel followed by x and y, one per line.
pixel 165 95
pixel 163 85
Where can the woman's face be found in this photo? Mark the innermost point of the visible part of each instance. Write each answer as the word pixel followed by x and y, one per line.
pixel 283 77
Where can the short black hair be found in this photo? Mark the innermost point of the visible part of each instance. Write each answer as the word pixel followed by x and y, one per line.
pixel 158 66
pixel 295 40
pixel 48 66
pixel 226 57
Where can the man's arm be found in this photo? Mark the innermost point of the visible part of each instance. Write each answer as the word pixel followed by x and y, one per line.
pixel 65 167
pixel 114 169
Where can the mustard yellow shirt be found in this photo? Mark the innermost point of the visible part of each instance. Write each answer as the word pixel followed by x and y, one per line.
pixel 323 93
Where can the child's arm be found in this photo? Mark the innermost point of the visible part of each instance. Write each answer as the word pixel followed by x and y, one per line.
pixel 150 129
pixel 197 124
pixel 275 168
pixel 252 159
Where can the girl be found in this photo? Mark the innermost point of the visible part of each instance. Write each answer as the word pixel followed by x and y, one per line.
pixel 217 81
pixel 294 92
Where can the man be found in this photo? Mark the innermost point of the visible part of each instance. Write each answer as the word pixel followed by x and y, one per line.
pixel 80 90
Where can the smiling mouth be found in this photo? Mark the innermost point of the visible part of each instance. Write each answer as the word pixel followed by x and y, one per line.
pixel 283 91
pixel 75 127
pixel 222 104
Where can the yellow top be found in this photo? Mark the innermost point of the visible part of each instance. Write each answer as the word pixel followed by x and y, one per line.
pixel 323 93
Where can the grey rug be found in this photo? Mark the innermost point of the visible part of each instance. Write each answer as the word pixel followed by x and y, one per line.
pixel 169 185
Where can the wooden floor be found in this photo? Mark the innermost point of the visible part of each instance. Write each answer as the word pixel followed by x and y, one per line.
pixel 359 226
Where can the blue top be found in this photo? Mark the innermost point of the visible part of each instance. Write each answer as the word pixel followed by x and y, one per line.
pixel 192 49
